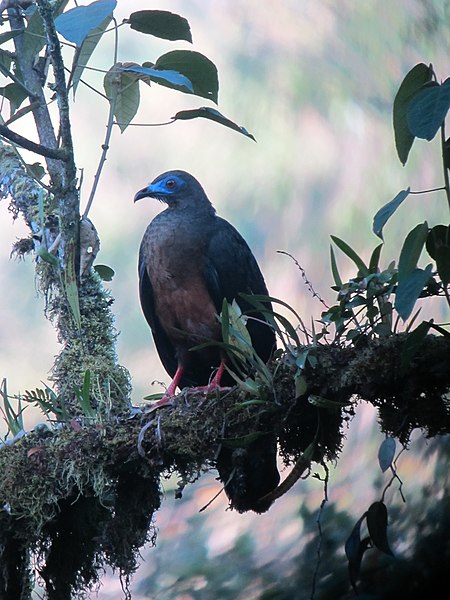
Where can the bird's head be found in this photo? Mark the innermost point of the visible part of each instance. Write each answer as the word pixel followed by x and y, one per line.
pixel 177 189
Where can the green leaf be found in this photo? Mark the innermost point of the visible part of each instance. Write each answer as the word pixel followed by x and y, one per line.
pixel 346 249
pixel 428 109
pixel 122 90
pixel 168 78
pixel 386 211
pixel 104 272
pixel 15 94
pixel 84 53
pixel 78 22
pixel 8 35
pixel 300 384
pixel 377 522
pixel 409 289
pixel 200 71
pixel 45 255
pixel 213 115
pixel 37 170
pixel 438 247
pixel 161 23
pixel 334 269
pixel 411 250
pixel 375 259
pixel 414 80
pixel 386 453
pixel 322 402
pixel 34 33
pixel 413 343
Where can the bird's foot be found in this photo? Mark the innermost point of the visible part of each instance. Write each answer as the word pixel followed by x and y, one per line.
pixel 207 389
pixel 166 400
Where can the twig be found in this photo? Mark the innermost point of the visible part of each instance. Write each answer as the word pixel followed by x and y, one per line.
pixel 105 145
pixel 305 279
pixel 16 138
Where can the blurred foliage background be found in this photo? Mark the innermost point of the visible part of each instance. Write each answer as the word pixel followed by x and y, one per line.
pixel 314 82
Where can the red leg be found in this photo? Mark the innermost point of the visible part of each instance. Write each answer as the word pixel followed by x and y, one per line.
pixel 170 392
pixel 214 384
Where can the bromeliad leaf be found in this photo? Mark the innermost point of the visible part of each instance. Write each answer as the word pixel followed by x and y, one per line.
pixel 160 23
pixel 386 212
pixel 76 24
pixel 213 115
pixel 412 83
pixel 428 109
pixel 346 249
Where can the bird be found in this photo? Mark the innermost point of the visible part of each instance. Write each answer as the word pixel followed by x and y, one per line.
pixel 190 261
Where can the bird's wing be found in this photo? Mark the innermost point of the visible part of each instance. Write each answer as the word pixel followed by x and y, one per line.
pixel 165 349
pixel 230 269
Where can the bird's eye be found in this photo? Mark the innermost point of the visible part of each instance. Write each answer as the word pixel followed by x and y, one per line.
pixel 170 183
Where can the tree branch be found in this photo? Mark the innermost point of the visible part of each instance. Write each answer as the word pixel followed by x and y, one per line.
pixel 16 138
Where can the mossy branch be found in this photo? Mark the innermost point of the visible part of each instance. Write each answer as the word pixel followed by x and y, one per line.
pixel 94 472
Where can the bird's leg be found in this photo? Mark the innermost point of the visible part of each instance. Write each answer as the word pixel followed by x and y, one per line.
pixel 170 392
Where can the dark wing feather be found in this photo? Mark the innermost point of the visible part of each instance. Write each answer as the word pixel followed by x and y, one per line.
pixel 231 269
pixel 163 346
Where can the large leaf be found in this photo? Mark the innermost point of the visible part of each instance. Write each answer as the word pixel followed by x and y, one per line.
pixel 414 80
pixel 83 54
pixel 122 90
pixel 169 78
pixel 354 550
pixel 161 23
pixel 411 250
pixel 35 38
pixel 386 212
pixel 438 247
pixel 77 23
pixel 409 289
pixel 15 93
pixel 428 109
pixel 377 521
pixel 213 115
pixel 200 71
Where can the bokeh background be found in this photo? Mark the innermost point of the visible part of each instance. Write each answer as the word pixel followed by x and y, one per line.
pixel 314 82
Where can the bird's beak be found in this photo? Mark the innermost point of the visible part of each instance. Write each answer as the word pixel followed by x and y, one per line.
pixel 144 193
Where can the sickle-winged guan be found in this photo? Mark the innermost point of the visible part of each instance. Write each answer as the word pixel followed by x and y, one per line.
pixel 189 261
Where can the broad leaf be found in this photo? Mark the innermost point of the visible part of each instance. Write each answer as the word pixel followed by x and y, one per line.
pixel 15 93
pixel 409 290
pixel 160 23
pixel 377 521
pixel 168 78
pixel 386 211
pixel 122 90
pixel 414 80
pixel 346 249
pixel 8 35
pixel 35 38
pixel 213 115
pixel 386 453
pixel 104 272
pixel 411 250
pixel 77 23
pixel 200 71
pixel 84 53
pixel 428 109
pixel 438 247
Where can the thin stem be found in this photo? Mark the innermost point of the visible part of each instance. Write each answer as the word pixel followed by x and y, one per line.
pixel 444 163
pixel 105 145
